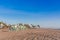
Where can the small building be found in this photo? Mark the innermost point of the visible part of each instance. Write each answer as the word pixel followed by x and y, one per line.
pixel 17 27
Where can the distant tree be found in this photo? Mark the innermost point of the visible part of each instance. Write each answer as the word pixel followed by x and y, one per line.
pixel 33 26
pixel 38 26
pixel 27 25
pixel 20 24
pixel 3 24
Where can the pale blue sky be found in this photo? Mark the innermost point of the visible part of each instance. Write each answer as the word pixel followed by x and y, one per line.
pixel 43 12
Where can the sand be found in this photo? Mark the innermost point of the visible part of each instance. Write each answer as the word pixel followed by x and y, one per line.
pixel 31 34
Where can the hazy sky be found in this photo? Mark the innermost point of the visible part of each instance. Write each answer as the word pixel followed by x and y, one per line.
pixel 43 12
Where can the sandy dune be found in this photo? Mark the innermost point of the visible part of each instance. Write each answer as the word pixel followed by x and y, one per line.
pixel 31 34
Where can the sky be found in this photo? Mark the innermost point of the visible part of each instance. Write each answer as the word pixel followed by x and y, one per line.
pixel 46 13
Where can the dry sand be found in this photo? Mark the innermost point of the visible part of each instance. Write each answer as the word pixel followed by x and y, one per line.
pixel 31 34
